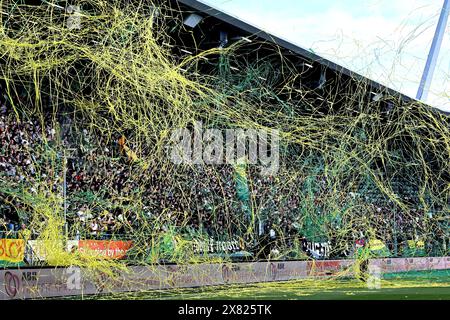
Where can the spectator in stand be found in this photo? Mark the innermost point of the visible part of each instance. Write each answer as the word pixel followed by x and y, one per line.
pixel 24 233
pixel 10 229
pixel 94 228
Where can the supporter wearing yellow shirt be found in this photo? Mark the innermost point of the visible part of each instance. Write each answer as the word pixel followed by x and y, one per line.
pixel 24 233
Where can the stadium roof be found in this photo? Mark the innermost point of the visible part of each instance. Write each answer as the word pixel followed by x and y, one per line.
pixel 208 11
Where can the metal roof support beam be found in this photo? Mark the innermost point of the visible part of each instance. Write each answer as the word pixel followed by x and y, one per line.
pixel 430 66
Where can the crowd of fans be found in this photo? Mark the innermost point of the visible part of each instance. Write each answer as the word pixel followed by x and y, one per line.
pixel 108 196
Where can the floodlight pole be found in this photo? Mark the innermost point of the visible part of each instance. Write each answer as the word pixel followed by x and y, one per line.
pixel 430 66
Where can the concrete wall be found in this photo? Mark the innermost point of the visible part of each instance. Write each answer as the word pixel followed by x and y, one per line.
pixel 53 282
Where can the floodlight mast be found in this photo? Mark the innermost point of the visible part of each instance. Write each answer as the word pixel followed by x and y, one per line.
pixel 430 66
